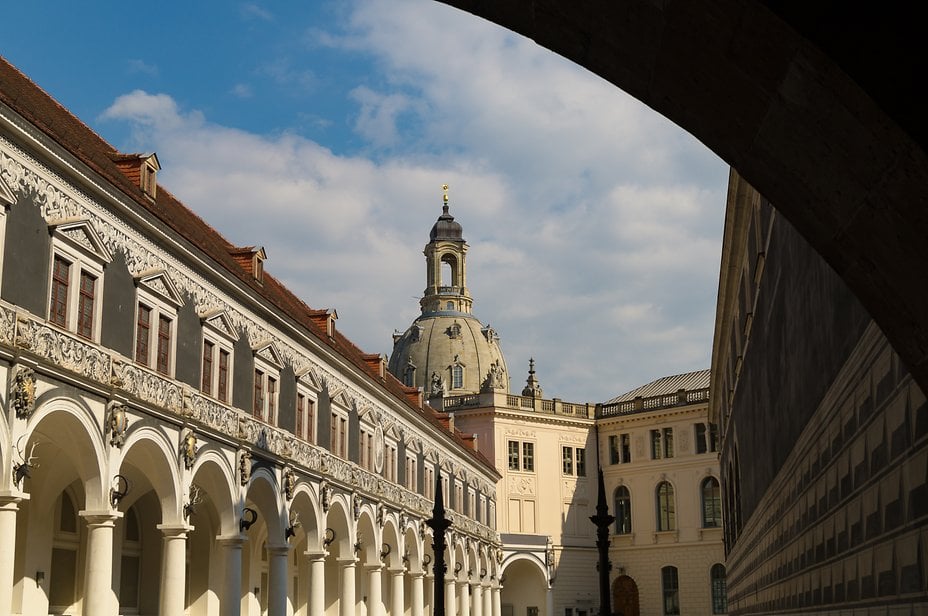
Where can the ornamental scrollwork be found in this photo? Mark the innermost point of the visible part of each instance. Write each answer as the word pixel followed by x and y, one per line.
pixel 22 394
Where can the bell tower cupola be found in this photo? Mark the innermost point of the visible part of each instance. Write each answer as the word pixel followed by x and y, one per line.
pixel 446 266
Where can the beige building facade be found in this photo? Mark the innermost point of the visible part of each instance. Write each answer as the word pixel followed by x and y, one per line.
pixel 547 451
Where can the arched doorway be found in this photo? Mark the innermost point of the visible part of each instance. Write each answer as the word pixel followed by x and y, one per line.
pixel 625 597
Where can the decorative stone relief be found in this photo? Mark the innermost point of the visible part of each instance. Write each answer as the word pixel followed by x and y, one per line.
pixel 188 449
pixel 7 325
pixel 149 386
pixel 522 485
pixel 244 467
pixel 64 350
pixel 22 392
pixel 355 507
pixel 325 495
pixel 117 422
pixel 289 483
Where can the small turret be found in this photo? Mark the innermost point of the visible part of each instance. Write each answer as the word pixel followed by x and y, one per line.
pixel 532 388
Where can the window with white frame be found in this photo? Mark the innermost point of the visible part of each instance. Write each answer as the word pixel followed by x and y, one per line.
pixel 266 384
pixel 457 376
pixel 216 359
pixel 573 461
pixel 411 468
pixel 76 289
pixel 305 426
pixel 472 504
pixel 156 322
pixel 428 481
pixel 389 461
pixel 458 496
pixel 366 453
pixel 521 456
pixel 338 434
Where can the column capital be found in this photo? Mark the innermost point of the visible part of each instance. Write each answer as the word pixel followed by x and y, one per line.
pixel 102 517
pixel 372 567
pixel 313 555
pixel 417 574
pixel 175 530
pixel 398 571
pixel 12 497
pixel 351 561
pixel 278 549
pixel 232 541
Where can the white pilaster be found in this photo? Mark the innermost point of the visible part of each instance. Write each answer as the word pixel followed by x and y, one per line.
pixel 173 568
pixel 316 582
pixel 451 598
pixel 99 597
pixel 497 605
pixel 397 597
pixel 487 600
pixel 464 590
pixel 477 600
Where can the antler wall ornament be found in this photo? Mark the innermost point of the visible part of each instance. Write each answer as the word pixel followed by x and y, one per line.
pixel 23 470
pixel 325 495
pixel 294 524
pixel 194 498
pixel 119 490
pixel 117 422
pixel 22 394
pixel 328 537
pixel 385 552
pixel 249 517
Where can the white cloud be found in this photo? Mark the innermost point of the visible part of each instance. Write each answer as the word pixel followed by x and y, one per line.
pixel 594 224
pixel 140 66
pixel 242 90
pixel 250 10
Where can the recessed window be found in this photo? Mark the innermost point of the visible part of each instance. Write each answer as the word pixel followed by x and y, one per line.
pixel 457 376
pixel 411 468
pixel 75 289
pixel 567 460
pixel 521 456
pixel 719 589
pixel 623 511
pixel 670 588
pixel 216 366
pixel 305 415
pixel 573 461
pixel 265 402
pixel 711 503
pixel 666 512
pixel 338 436
pixel 155 319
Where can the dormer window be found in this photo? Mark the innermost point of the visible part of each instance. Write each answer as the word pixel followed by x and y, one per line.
pixel 251 258
pixel 142 170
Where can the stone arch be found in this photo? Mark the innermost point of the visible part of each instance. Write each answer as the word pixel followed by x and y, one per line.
pixel 368 537
pixel 306 504
pixel 390 535
pixel 148 459
pixel 769 67
pixel 213 473
pixel 68 428
pixel 412 548
pixel 625 600
pixel 531 559
pixel 339 520
pixel 264 494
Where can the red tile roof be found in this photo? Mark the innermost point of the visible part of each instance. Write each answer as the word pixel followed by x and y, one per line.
pixel 36 106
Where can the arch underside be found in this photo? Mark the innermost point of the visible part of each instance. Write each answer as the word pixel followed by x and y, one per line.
pixel 816 111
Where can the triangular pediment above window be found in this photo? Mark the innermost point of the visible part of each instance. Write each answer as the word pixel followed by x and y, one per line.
pixel 159 283
pixel 81 235
pixel 269 353
pixel 6 195
pixel 219 321
pixel 310 377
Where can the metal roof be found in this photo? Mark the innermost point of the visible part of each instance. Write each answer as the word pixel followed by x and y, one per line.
pixel 667 385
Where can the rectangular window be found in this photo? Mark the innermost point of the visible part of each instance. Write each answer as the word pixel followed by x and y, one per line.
pixel 164 345
pixel 567 460
pixel 701 443
pixel 342 437
pixel 258 410
pixel 206 380
pixel 300 413
pixel 222 386
pixel 271 400
pixel 626 449
pixel 655 444
pixel 528 457
pixel 61 275
pixel 85 305
pixel 143 334
pixel 333 434
pixel 670 588
pixel 668 442
pixel 613 449
pixel 310 420
pixel 411 473
pixel 513 455
pixel 581 462
pixel 713 437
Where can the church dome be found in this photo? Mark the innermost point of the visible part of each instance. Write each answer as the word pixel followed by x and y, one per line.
pixel 445 228
pixel 451 351
pixel 447 350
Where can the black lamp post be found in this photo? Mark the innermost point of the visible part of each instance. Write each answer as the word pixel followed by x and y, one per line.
pixel 439 524
pixel 603 520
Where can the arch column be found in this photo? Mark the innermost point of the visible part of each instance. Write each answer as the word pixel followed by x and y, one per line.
pixel 316 582
pixel 397 598
pixel 9 506
pixel 231 601
pixel 549 601
pixel 465 598
pixel 99 597
pixel 487 600
pixel 429 587
pixel 477 603
pixel 374 590
pixel 417 596
pixel 497 605
pixel 173 568
pixel 451 599
pixel 346 599
pixel 277 579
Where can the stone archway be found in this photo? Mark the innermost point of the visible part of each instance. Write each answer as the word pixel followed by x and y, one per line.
pixel 811 105
pixel 625 597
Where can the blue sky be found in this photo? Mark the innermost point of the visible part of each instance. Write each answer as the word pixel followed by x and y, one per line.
pixel 324 130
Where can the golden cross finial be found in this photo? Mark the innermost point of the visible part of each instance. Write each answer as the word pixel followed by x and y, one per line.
pixel 444 187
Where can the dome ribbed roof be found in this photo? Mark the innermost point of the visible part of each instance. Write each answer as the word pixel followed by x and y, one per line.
pixel 445 228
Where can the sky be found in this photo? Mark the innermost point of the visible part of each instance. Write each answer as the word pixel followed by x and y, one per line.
pixel 324 131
